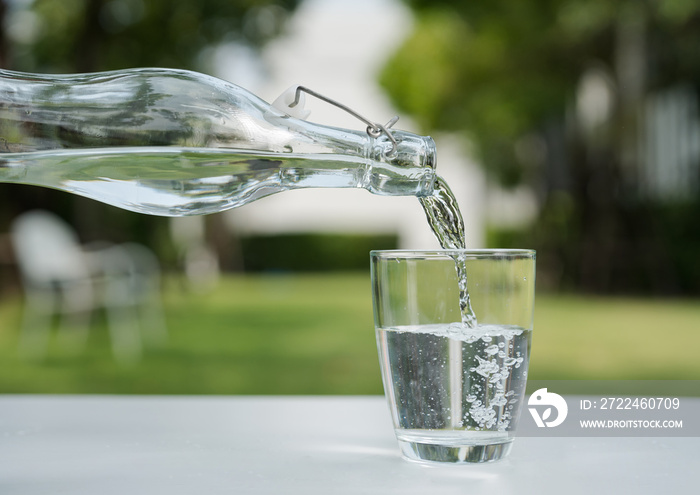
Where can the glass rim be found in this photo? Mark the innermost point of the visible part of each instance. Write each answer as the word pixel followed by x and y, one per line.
pixel 442 253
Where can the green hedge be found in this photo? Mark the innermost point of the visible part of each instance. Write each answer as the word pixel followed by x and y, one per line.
pixel 311 252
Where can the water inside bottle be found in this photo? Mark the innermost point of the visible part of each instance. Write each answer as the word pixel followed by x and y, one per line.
pixel 175 181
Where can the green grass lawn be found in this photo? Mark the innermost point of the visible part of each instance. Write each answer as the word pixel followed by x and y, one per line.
pixel 313 334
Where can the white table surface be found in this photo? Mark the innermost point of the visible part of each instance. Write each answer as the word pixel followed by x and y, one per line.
pixel 100 445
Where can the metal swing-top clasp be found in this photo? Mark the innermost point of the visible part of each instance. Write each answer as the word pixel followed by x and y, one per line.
pixel 291 102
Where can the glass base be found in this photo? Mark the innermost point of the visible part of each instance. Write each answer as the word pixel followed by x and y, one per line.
pixel 456 454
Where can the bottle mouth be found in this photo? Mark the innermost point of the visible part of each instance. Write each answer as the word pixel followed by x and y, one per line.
pixel 412 151
pixel 431 153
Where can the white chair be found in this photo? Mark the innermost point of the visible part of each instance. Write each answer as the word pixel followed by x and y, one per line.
pixel 61 277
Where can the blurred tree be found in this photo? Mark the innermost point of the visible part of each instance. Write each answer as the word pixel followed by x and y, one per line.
pixel 95 35
pixel 556 94
pixel 90 35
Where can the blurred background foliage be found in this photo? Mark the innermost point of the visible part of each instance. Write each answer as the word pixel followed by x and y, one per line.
pixel 95 35
pixel 590 103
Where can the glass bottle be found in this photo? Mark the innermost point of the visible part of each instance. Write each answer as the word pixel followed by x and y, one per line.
pixel 172 142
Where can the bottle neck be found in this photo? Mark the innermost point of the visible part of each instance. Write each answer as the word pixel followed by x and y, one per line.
pixel 407 170
pixel 352 158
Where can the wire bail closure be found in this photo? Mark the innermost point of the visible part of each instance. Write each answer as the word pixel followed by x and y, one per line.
pixel 373 129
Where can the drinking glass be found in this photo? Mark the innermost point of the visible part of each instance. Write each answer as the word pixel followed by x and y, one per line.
pixel 455 387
